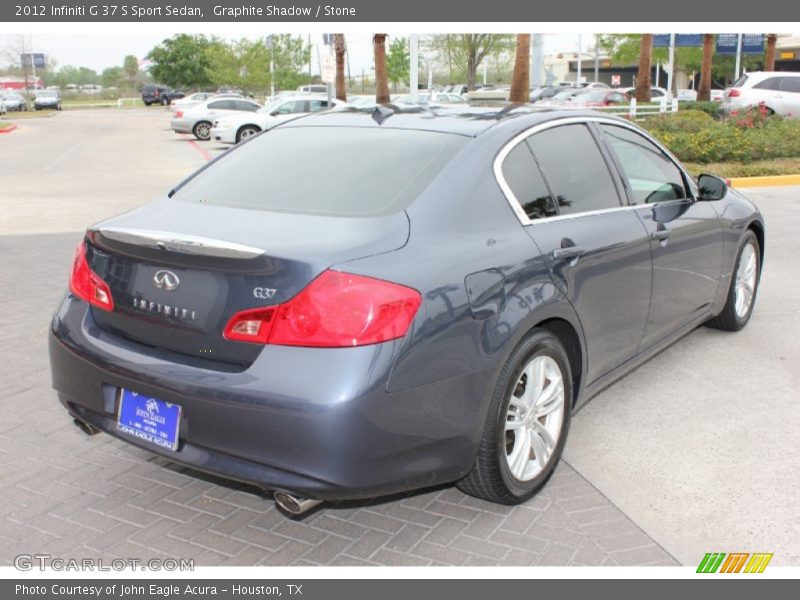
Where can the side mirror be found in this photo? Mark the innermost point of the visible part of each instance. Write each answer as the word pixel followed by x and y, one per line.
pixel 711 187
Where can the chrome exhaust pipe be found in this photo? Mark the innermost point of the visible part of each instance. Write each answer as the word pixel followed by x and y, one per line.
pixel 86 428
pixel 293 505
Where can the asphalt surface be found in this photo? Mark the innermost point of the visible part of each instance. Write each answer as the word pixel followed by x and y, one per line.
pixel 694 452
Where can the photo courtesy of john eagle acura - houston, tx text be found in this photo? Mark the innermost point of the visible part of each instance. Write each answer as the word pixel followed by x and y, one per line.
pixel 468 278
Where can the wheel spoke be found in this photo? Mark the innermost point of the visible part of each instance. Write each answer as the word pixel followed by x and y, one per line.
pixel 555 397
pixel 518 458
pixel 539 450
pixel 514 422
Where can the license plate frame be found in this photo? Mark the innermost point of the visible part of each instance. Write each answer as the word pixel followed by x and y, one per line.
pixel 149 419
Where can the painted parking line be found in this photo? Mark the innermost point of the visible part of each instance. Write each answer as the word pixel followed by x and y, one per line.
pixel 8 129
pixel 200 150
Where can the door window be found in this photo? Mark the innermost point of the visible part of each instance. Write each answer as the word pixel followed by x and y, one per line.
pixel 527 184
pixel 574 168
pixel 651 175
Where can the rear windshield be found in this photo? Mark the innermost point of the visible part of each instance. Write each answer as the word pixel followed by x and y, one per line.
pixel 340 171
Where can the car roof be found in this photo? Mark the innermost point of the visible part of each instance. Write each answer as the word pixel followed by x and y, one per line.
pixel 467 121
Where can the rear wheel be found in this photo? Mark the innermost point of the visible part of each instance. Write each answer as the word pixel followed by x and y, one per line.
pixel 246 132
pixel 202 131
pixel 744 286
pixel 527 423
pixel 164 101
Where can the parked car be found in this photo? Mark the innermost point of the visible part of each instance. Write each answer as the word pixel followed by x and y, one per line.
pixel 158 94
pixel 3 108
pixel 656 93
pixel 249 326
pixel 685 95
pixel 47 99
pixel 490 94
pixel 563 97
pixel 313 88
pixel 14 101
pixel 600 97
pixel 190 100
pixel 237 127
pixel 778 91
pixel 199 119
pixel 544 92
pixel 717 95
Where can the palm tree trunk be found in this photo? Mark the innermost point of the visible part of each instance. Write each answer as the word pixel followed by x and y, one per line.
pixel 643 75
pixel 381 76
pixel 769 59
pixel 704 89
pixel 520 80
pixel 341 88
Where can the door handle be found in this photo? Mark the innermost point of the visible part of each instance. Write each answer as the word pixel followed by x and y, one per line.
pixel 568 253
pixel 660 235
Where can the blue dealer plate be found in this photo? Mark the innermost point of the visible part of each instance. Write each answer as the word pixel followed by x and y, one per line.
pixel 149 419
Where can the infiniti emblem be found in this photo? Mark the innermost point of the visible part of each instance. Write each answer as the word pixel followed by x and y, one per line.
pixel 166 280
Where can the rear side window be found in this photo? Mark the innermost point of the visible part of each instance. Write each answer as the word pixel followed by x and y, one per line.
pixel 652 176
pixel 575 169
pixel 791 84
pixel 773 83
pixel 338 171
pixel 244 105
pixel 222 105
pixel 526 182
pixel 317 105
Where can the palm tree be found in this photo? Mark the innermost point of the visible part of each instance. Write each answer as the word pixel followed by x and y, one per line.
pixel 520 81
pixel 769 59
pixel 339 47
pixel 381 75
pixel 704 89
pixel 643 75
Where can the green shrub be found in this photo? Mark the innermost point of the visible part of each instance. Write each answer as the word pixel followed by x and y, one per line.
pixel 713 109
pixel 693 136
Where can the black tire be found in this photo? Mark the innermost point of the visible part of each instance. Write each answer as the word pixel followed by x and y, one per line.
pixel 490 477
pixel 202 131
pixel 165 102
pixel 247 131
pixel 728 319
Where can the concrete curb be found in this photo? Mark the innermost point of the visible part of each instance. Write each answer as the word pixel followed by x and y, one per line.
pixel 8 129
pixel 765 181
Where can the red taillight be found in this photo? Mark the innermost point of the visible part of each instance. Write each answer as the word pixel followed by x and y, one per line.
pixel 734 92
pixel 336 310
pixel 178 114
pixel 86 285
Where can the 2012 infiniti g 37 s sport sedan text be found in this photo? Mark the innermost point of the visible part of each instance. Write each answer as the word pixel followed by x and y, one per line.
pixel 356 304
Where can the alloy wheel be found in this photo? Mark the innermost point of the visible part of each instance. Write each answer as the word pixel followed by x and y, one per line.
pixel 746 275
pixel 534 416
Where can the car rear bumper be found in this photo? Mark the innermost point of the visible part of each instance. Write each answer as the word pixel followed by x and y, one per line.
pixel 315 422
pixel 181 126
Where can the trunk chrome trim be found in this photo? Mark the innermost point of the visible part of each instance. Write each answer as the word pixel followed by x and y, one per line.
pixel 176 242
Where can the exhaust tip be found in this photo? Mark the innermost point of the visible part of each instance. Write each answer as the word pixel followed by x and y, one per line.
pixel 86 428
pixel 293 505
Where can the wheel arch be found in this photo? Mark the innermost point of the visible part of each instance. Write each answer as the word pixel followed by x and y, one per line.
pixel 758 228
pixel 570 338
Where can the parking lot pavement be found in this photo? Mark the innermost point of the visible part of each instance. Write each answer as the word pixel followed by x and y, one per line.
pixel 643 443
pixel 699 446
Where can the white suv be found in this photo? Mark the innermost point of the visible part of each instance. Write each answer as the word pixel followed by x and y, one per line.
pixel 778 90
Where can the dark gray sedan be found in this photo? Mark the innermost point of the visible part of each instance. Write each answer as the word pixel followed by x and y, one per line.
pixel 455 285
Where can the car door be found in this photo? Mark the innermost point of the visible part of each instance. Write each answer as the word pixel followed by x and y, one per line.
pixel 597 248
pixel 790 90
pixel 685 235
pixel 219 108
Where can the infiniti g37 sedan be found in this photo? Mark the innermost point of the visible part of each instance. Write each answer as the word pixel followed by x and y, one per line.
pixel 467 279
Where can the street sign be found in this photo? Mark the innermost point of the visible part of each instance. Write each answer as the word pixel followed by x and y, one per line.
pixel 682 40
pixel 268 42
pixel 32 60
pixel 787 55
pixel 328 73
pixel 616 79
pixel 752 43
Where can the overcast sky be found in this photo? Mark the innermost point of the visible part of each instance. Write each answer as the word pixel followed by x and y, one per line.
pixel 98 51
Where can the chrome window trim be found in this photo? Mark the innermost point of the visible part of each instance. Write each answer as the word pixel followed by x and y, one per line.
pixel 515 204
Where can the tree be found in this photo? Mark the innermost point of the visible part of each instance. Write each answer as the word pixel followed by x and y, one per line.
pixel 381 76
pixel 130 65
pixel 183 60
pixel 398 62
pixel 340 48
pixel 464 53
pixel 520 81
pixel 643 74
pixel 769 58
pixel 704 89
pixel 113 77
pixel 18 45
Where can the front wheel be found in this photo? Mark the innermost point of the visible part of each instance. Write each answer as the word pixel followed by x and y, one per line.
pixel 744 286
pixel 246 132
pixel 527 423
pixel 202 131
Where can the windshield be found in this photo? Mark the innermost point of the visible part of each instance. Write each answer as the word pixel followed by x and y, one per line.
pixel 268 108
pixel 46 94
pixel 353 171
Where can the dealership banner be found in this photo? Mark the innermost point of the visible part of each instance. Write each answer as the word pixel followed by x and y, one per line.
pixel 344 11
pixel 390 589
pixel 752 43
